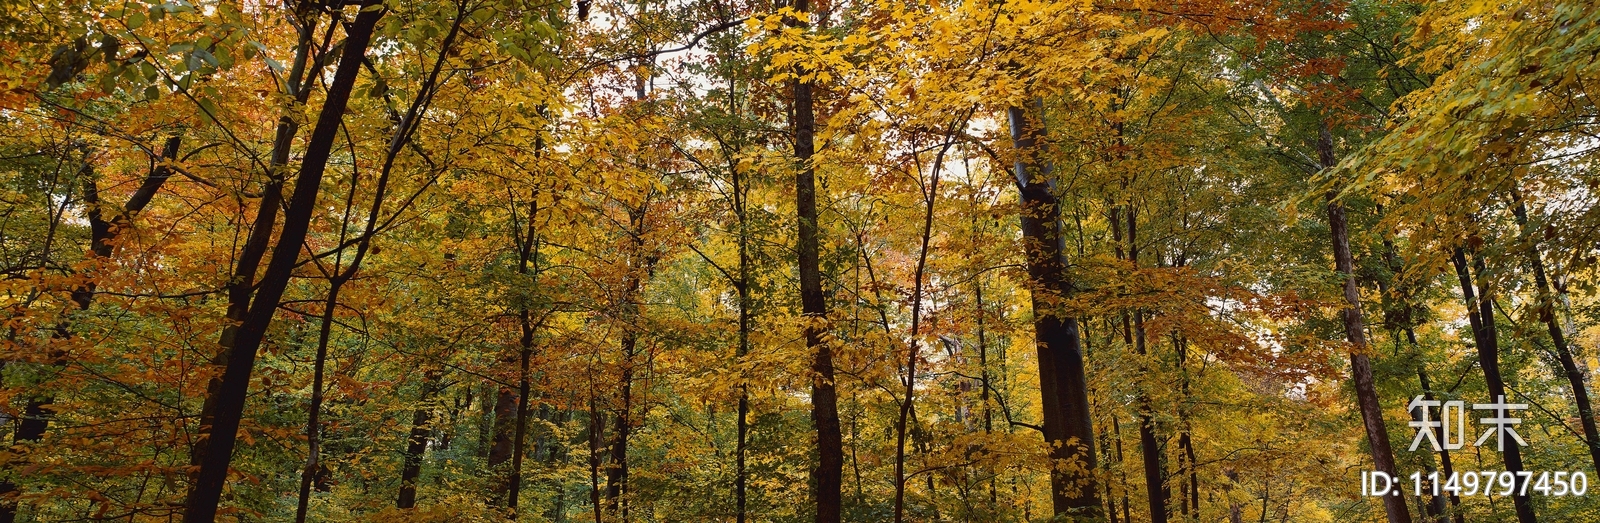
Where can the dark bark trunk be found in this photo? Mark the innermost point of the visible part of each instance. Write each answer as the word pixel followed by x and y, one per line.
pixel 501 445
pixel 1063 386
pixel 1547 314
pixel 314 417
pixel 1186 436
pixel 597 424
pixel 743 350
pixel 828 476
pixel 1480 313
pixel 527 261
pixel 617 472
pixel 1355 331
pixel 417 443
pixel 206 492
pixel 1157 491
pixel 241 285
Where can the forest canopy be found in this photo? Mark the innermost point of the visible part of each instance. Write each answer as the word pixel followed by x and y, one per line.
pixel 808 260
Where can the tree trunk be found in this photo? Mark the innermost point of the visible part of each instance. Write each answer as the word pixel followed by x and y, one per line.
pixel 743 350
pixel 501 445
pixel 617 473
pixel 1062 385
pixel 527 260
pixel 1156 490
pixel 1445 464
pixel 241 286
pixel 1547 315
pixel 1355 331
pixel 828 476
pixel 314 412
pixel 1480 313
pixel 417 443
pixel 206 492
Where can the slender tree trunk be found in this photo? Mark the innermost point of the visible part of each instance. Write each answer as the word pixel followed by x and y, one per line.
pixel 1547 314
pixel 1480 313
pixel 206 492
pixel 1063 386
pixel 1156 489
pixel 1186 437
pixel 617 473
pixel 597 424
pixel 527 261
pixel 912 351
pixel 417 443
pixel 827 478
pixel 314 413
pixel 1122 476
pixel 1355 331
pixel 745 318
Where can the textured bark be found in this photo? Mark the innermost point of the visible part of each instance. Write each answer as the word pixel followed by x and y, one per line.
pixel 206 491
pixel 1394 507
pixel 501 446
pixel 1480 313
pixel 828 476
pixel 1062 385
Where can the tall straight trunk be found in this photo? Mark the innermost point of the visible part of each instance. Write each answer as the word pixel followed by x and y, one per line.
pixel 417 442
pixel 1180 345
pixel 1063 386
pixel 1155 475
pixel 527 261
pixel 983 377
pixel 743 350
pixel 617 473
pixel 828 476
pixel 102 232
pixel 520 438
pixel 641 265
pixel 1480 313
pixel 1547 315
pixel 206 492
pixel 1355 331
pixel 597 428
